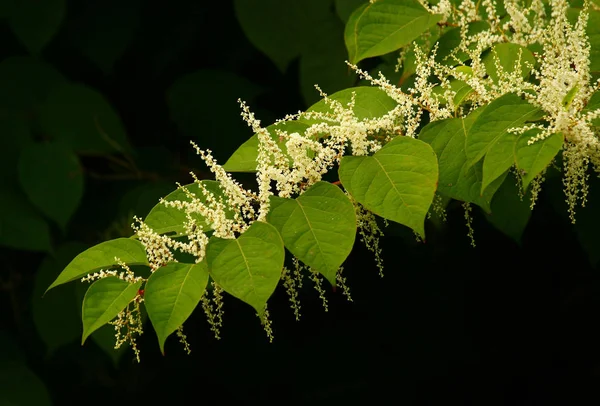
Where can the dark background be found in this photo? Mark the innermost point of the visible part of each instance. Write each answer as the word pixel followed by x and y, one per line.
pixel 500 324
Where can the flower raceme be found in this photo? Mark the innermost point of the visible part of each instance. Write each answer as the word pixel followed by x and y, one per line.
pixel 493 88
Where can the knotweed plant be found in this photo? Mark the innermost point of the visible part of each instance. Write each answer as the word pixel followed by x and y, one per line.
pixel 495 87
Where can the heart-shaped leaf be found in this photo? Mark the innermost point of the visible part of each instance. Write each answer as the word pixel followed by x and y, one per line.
pixel 104 300
pixel 384 26
pixel 458 180
pixel 397 183
pixel 248 267
pixel 318 227
pixel 171 295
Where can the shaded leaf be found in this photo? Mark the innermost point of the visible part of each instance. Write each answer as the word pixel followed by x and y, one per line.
pixel 16 136
pixel 171 294
pixel 248 267
pixel 20 386
pixel 104 31
pixel 25 82
pixel 55 315
pixel 204 104
pixel 82 118
pixel 457 179
pixel 21 225
pixel 35 22
pixel 510 214
pixel 281 29
pixel 318 227
pixel 104 299
pixel 51 176
pixel 397 183
pixel 322 61
pixel 102 256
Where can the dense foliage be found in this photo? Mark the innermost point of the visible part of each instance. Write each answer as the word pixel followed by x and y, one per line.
pixel 490 93
pixel 439 105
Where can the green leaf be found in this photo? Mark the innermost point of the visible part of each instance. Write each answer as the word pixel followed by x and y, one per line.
pixel 248 267
pixel 457 179
pixel 104 338
pixel 318 227
pixel 385 26
pixel 397 183
pixel 55 315
pixel 370 102
pixel 281 29
pixel 83 119
pixel 25 82
pixel 104 300
pixel 35 23
pixel 244 158
pixel 103 31
pixel 506 112
pixel 52 178
pixel 19 386
pixel 533 159
pixel 163 219
pixel 507 55
pixel 21 225
pixel 510 214
pixel 171 295
pixel 16 136
pixel 102 256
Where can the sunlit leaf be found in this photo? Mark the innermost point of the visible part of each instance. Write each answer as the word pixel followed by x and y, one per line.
pixel 102 256
pixel 318 227
pixel 104 300
pixel 397 183
pixel 248 267
pixel 385 26
pixel 171 295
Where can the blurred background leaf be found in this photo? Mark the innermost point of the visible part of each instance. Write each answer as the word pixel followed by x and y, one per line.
pixel 35 22
pixel 51 176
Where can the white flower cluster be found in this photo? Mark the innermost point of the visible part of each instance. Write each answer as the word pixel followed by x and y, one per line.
pixel 560 85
